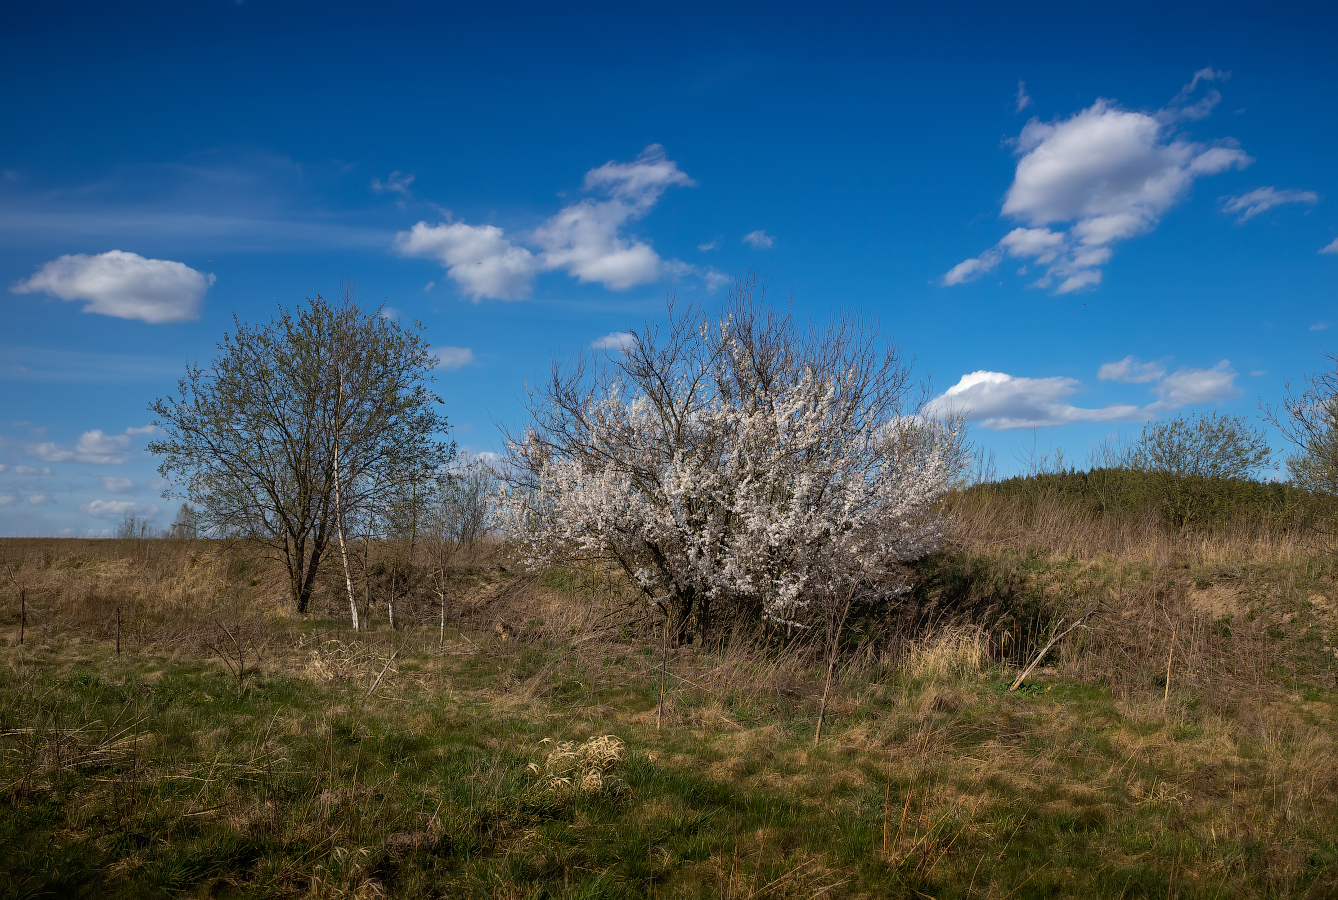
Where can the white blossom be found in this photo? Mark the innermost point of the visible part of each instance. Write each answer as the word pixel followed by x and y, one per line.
pixel 734 465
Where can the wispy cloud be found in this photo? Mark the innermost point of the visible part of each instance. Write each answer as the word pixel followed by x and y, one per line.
pixel 118 509
pixel 1320 326
pixel 1023 99
pixel 1265 198
pixel 33 364
pixel 1330 248
pixel 1131 370
pixel 1188 385
pixel 759 239
pixel 93 447
pixel 395 183
pixel 453 357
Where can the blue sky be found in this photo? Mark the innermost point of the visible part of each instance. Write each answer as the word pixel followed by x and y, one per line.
pixel 1073 219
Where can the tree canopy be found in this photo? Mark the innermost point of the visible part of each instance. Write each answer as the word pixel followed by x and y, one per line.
pixel 250 440
pixel 741 465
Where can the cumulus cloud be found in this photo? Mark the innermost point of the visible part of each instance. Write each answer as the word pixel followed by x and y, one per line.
pixel 3 467
pixel 1001 402
pixel 1023 99
pixel 478 258
pixel 124 285
pixel 117 485
pixel 1131 370
pixel 586 239
pixel 1330 248
pixel 709 245
pixel 117 509
pixel 1189 385
pixel 759 239
pixel 1263 199
pixel 39 499
pixel 396 183
pixel 616 340
pixel 1103 175
pixel 6 499
pixel 453 357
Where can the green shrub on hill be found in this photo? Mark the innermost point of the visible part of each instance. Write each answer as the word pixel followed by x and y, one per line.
pixel 1180 501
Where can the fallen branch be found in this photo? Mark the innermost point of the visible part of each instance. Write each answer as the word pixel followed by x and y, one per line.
pixel 1046 649
pixel 394 653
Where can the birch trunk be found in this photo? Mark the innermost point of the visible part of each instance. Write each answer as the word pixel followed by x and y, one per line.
pixel 339 511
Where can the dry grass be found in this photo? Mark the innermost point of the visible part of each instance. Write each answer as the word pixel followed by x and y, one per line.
pixel 1057 526
pixel 1097 778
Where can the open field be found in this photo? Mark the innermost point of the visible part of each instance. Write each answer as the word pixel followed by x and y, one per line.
pixel 1181 745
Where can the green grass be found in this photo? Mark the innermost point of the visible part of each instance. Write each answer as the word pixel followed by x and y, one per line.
pixel 147 775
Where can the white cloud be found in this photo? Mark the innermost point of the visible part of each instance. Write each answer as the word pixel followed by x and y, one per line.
pixel 1023 98
pixel 453 357
pixel 39 499
pixel 429 286
pixel 102 449
pixel 709 245
pixel 478 258
pixel 1265 198
pixel 1131 370
pixel 92 447
pixel 1107 172
pixel 1330 248
pixel 29 470
pixel 1078 281
pixel 1319 326
pixel 117 509
pixel 1000 402
pixel 971 269
pixel 1041 244
pixel 585 239
pixel 3 467
pixel 117 485
pixel 759 239
pixel 1177 108
pixel 124 285
pixel 615 340
pixel 714 278
pixel 396 183
pixel 6 499
pixel 49 452
pixel 1188 385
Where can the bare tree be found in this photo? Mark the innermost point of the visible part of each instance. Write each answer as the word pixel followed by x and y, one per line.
pixel 740 466
pixel 250 440
pixel 1309 420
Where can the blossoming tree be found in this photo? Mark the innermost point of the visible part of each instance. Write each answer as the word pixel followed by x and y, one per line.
pixel 735 467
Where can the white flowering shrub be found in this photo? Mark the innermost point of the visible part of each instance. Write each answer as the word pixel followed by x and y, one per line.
pixel 734 467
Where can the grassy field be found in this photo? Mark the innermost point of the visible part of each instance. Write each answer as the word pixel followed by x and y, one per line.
pixel 539 742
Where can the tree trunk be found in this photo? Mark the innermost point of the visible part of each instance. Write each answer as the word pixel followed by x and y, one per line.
pixel 339 513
